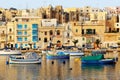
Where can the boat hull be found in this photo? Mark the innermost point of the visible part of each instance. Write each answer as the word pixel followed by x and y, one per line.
pixel 103 61
pixel 24 61
pixel 57 57
pixel 10 52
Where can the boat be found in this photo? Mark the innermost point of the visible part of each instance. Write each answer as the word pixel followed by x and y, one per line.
pixel 57 55
pixel 74 53
pixel 10 52
pixel 29 57
pixel 98 57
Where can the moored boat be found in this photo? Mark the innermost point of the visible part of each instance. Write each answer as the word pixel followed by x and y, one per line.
pixel 10 52
pixel 74 53
pixel 99 58
pixel 29 57
pixel 57 55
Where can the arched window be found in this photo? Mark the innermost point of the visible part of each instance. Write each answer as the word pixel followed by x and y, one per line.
pixel 58 32
pixel 10 30
pixel 10 37
pixel 45 39
pixel 58 41
pixel 51 32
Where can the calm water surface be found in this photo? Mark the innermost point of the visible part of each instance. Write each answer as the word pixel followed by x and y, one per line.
pixel 58 70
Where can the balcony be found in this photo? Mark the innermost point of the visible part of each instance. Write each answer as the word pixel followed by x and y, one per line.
pixel 10 33
pixel 34 28
pixel 89 34
pixel 11 40
pixel 58 36
pixel 23 29
pixel 23 35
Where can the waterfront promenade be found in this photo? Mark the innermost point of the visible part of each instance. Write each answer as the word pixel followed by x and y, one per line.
pixel 85 50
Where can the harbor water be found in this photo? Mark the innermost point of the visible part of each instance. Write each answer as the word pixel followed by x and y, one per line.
pixel 58 70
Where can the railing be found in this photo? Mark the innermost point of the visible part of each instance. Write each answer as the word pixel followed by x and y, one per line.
pixel 23 35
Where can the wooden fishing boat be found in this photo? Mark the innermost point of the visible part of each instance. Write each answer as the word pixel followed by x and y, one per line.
pixel 99 58
pixel 57 55
pixel 29 57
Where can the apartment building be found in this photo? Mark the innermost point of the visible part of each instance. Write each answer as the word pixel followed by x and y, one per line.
pixel 50 33
pixel 26 32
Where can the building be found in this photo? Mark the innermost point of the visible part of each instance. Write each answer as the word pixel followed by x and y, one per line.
pixel 26 32
pixel 50 33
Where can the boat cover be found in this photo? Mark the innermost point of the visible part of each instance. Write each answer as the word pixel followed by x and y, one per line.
pixel 60 53
pixel 96 57
pixel 31 55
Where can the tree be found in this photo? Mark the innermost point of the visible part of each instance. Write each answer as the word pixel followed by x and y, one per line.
pixel 30 44
pixel 97 42
pixel 75 42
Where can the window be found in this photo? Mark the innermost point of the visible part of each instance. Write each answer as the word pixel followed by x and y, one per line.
pixel 10 30
pixel 117 29
pixel 26 44
pixel 45 39
pixel 51 32
pixel 39 39
pixel 83 39
pixel 19 33
pixel 74 24
pixel 45 33
pixel 10 37
pixel 19 39
pixel 34 32
pixel 82 31
pixel 25 33
pixel 25 26
pixel 58 32
pixel 34 38
pixel 94 32
pixel 88 31
pixel 19 26
pixel 3 32
pixel 34 26
pixel 76 30
pixel 117 24
pixel 25 38
pixel 68 35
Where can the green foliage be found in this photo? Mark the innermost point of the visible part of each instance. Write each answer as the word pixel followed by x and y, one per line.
pixel 75 42
pixel 97 42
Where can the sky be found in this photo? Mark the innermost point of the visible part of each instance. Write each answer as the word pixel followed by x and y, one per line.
pixel 33 4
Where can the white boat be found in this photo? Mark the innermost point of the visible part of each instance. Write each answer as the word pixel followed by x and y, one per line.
pixel 29 57
pixel 74 53
pixel 10 52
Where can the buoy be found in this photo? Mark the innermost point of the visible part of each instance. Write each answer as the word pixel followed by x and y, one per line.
pixel 63 62
pixel 52 62
pixel 70 68
pixel 77 59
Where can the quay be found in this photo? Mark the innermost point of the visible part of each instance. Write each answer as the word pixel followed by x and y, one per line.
pixel 85 50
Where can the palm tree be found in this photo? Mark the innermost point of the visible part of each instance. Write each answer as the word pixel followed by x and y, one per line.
pixel 75 42
pixel 97 42
pixel 30 44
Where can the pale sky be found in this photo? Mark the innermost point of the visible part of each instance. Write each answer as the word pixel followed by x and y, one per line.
pixel 23 4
